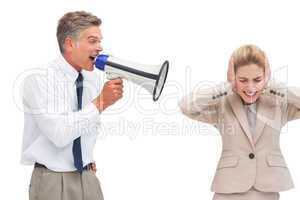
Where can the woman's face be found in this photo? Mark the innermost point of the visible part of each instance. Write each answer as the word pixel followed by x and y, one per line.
pixel 249 82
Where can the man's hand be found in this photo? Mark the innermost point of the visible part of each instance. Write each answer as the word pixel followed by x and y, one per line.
pixel 112 91
pixel 94 168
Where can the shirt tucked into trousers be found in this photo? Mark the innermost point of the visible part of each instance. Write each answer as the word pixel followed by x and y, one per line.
pixel 60 132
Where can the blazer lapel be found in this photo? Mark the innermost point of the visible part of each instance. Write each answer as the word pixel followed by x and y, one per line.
pixel 237 107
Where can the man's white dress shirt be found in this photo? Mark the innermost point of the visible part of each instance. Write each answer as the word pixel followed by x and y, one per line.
pixel 52 120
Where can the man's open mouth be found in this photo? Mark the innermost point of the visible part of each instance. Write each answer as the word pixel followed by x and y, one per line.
pixel 92 58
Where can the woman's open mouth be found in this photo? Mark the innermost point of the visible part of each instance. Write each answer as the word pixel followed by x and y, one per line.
pixel 250 94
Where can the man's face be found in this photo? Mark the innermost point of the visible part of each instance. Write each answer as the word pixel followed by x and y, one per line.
pixel 249 81
pixel 85 48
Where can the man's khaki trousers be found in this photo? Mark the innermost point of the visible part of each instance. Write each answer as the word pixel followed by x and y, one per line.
pixel 49 185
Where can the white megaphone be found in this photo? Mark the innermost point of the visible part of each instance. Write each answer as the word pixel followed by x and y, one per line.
pixel 151 77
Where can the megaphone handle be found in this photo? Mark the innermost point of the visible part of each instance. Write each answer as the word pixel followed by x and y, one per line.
pixel 112 76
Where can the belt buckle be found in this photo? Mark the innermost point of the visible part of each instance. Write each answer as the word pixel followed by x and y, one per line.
pixel 89 166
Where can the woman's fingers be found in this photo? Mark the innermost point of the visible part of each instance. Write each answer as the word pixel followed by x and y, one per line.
pixel 267 71
pixel 231 73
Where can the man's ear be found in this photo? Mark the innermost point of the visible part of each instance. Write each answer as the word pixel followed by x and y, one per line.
pixel 69 44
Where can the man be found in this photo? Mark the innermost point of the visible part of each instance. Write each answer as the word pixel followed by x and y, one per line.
pixel 62 108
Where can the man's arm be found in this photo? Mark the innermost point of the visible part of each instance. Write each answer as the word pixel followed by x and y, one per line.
pixel 112 91
pixel 62 128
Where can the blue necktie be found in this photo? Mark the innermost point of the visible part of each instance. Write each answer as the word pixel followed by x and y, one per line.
pixel 77 143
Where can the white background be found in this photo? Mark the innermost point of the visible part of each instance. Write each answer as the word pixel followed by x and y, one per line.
pixel 158 159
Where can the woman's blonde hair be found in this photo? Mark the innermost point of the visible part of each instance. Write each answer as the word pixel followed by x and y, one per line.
pixel 249 54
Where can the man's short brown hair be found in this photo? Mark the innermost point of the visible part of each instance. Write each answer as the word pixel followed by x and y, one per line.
pixel 72 23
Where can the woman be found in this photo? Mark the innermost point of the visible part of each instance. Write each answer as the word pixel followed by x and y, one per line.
pixel 249 111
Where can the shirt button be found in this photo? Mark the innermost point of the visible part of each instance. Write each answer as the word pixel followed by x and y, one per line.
pixel 251 155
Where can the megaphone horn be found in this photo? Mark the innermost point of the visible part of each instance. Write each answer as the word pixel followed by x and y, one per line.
pixel 151 77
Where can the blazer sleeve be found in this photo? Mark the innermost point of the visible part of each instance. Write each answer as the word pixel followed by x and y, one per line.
pixel 204 104
pixel 289 98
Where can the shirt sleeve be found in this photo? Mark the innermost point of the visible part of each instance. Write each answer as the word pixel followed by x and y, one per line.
pixel 61 128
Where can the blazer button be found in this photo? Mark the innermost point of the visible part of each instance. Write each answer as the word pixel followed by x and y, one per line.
pixel 251 155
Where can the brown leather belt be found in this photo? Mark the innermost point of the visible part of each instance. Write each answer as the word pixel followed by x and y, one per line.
pixel 87 167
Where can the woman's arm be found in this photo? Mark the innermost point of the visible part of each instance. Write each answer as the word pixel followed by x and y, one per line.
pixel 289 98
pixel 204 104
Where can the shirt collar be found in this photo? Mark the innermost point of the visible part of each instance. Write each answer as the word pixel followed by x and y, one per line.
pixel 68 69
pixel 251 107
